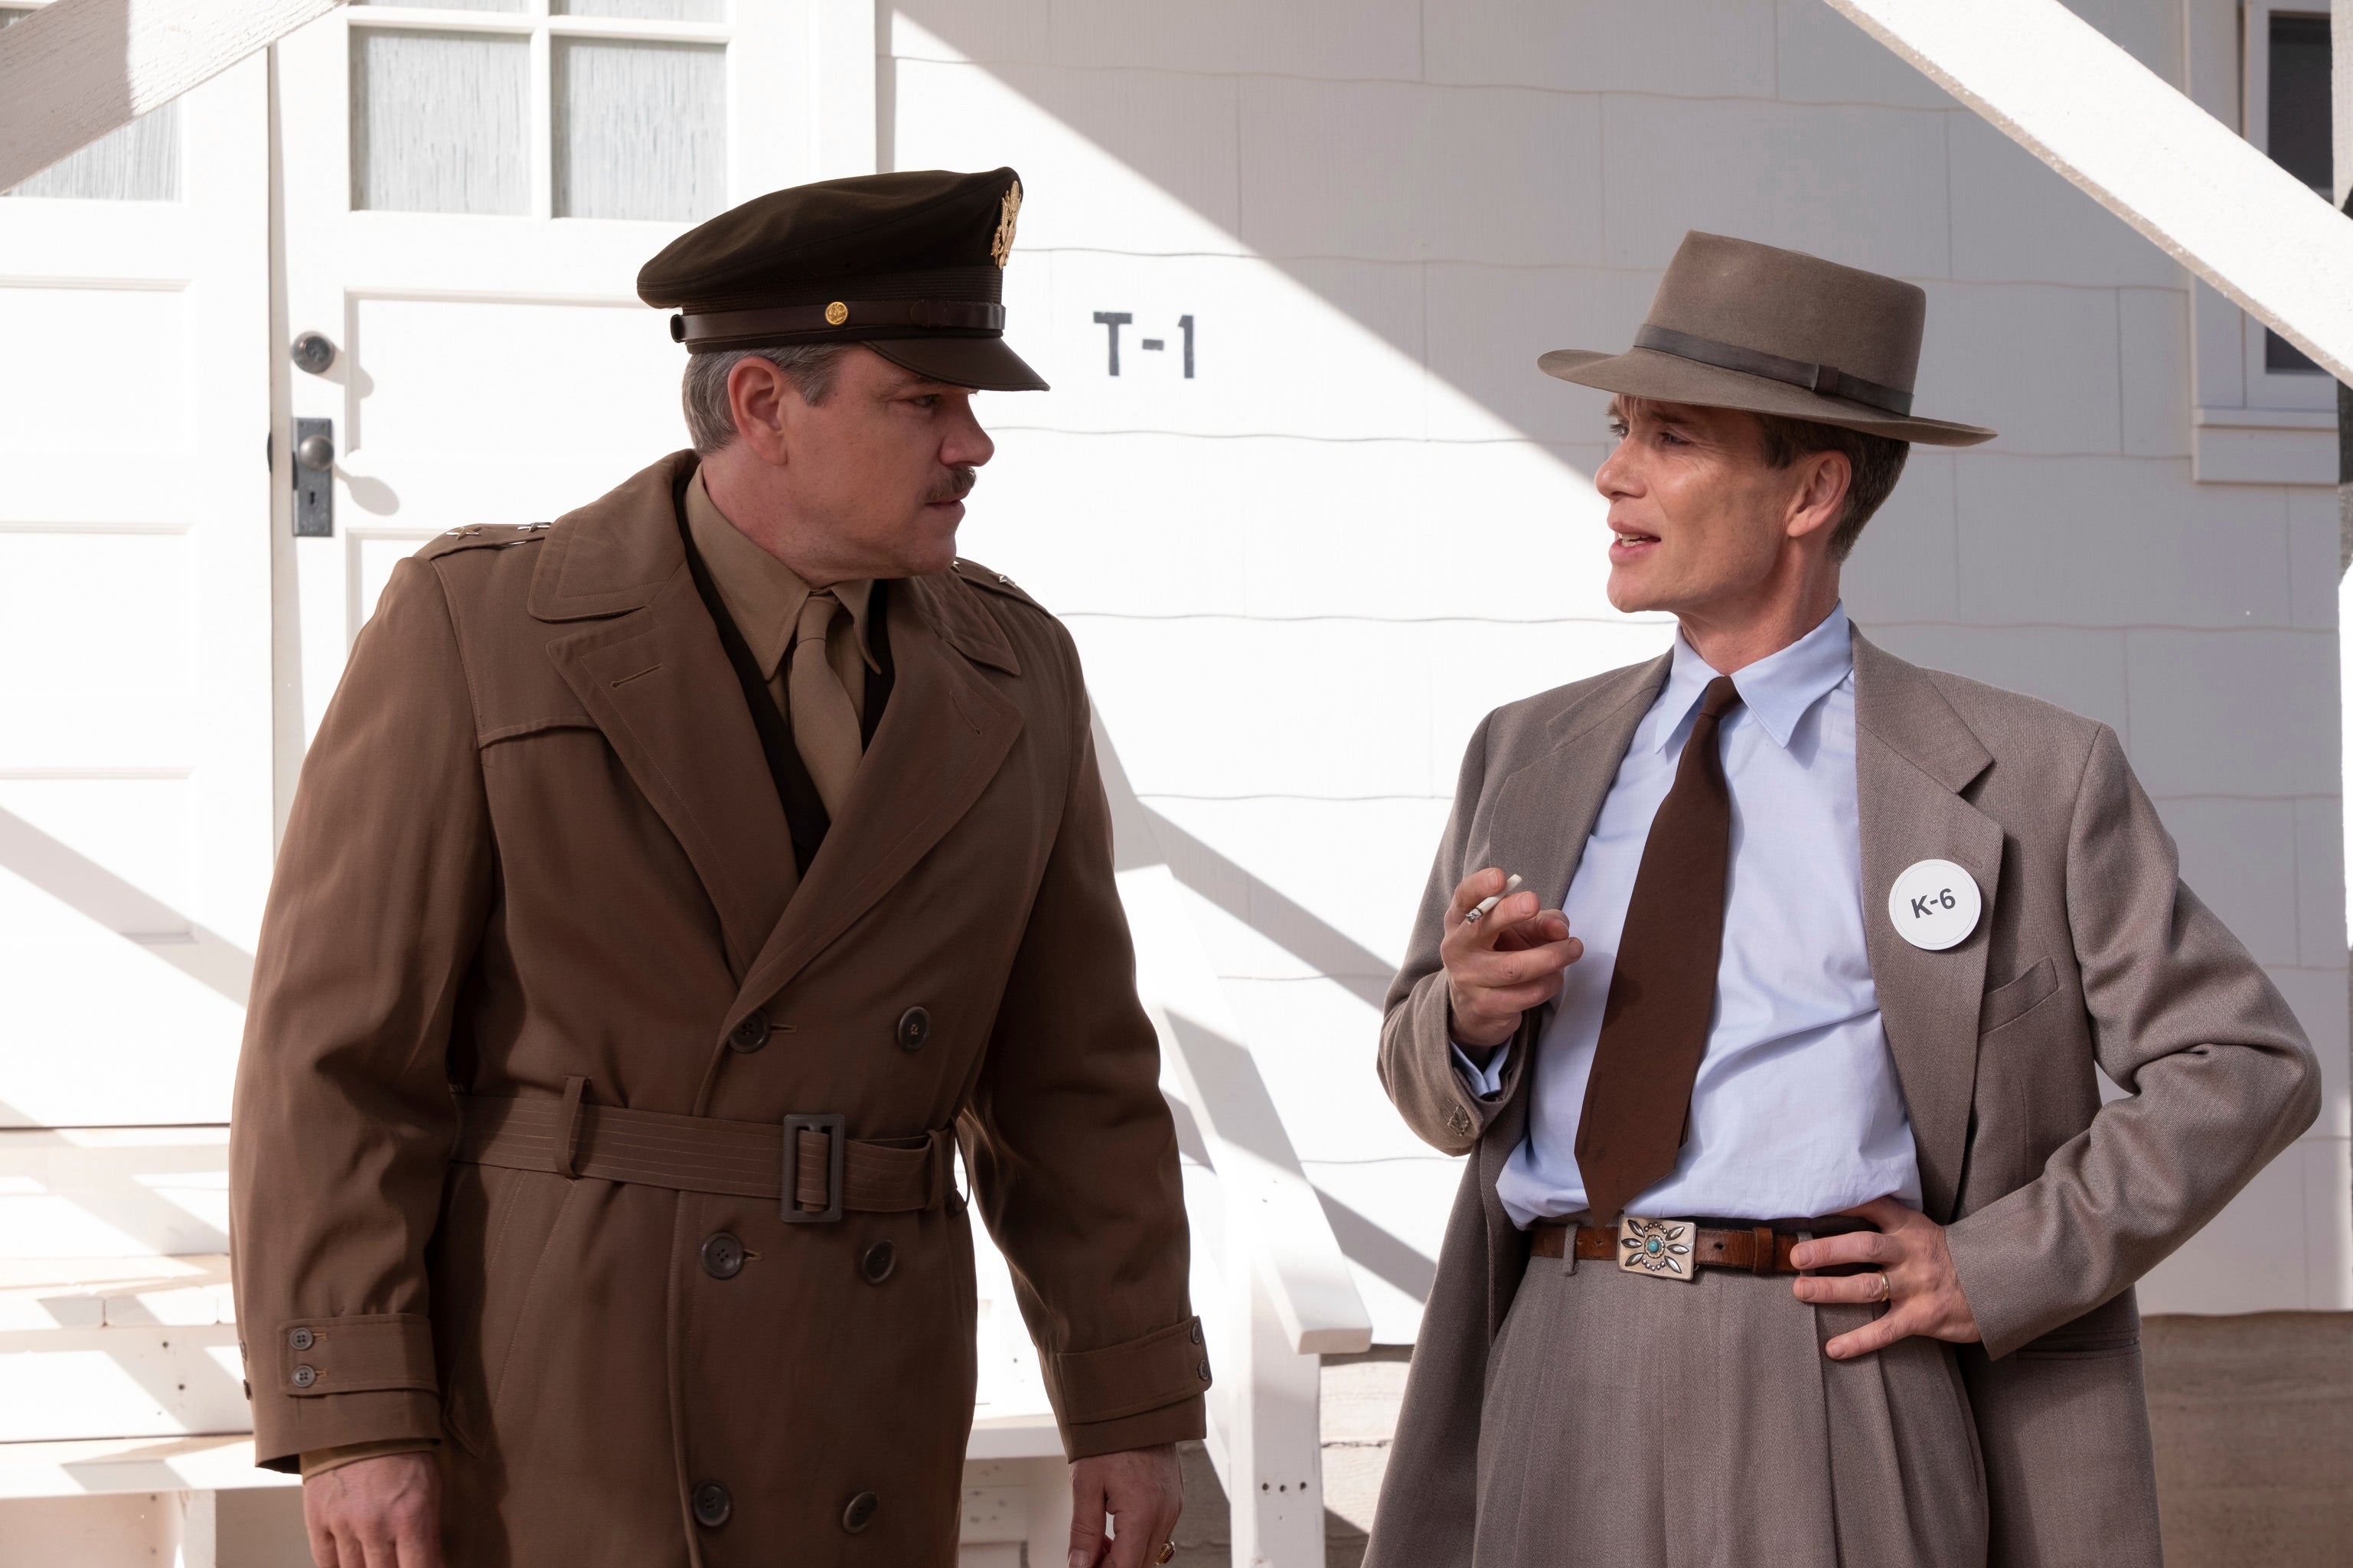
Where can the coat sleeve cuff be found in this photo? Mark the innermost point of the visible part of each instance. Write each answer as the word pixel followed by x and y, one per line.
pixel 286 1430
pixel 328 1381
pixel 1184 1421
pixel 1090 1388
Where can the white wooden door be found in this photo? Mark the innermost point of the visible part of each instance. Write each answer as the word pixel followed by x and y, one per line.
pixel 470 191
pixel 135 789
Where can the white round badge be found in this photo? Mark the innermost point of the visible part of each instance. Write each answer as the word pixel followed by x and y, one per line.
pixel 1935 904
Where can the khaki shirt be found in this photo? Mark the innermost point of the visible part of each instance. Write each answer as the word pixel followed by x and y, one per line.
pixel 764 597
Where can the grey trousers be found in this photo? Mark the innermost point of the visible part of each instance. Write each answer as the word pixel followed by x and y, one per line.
pixel 1638 1423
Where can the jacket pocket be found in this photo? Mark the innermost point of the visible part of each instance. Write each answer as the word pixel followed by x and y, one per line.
pixel 487 1282
pixel 2013 999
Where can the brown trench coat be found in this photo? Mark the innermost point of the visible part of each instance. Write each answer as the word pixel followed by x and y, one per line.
pixel 2090 954
pixel 536 840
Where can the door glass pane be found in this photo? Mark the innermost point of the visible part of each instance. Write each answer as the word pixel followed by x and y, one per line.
pixel 138 163
pixel 658 10
pixel 641 128
pixel 438 122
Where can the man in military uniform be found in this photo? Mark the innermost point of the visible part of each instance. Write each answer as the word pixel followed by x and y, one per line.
pixel 669 891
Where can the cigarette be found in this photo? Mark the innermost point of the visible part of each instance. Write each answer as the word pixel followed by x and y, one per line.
pixel 1488 904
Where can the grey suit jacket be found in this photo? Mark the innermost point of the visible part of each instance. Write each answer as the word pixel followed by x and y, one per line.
pixel 2091 951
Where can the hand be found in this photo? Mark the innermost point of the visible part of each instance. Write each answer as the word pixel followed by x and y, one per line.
pixel 1499 966
pixel 383 1513
pixel 1141 1489
pixel 1924 1293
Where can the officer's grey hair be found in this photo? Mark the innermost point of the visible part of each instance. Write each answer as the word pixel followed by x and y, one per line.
pixel 711 424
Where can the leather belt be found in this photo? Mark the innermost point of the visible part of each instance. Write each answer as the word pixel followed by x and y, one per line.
pixel 1760 1249
pixel 831 1171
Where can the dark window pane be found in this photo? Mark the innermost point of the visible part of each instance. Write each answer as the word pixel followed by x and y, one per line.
pixel 2299 90
pixel 2281 354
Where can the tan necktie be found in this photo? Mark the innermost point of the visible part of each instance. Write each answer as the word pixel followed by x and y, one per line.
pixel 1662 992
pixel 825 723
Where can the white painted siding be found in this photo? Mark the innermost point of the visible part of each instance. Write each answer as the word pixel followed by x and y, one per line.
pixel 1299 577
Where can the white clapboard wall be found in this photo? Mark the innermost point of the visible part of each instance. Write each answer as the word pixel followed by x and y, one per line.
pixel 1322 512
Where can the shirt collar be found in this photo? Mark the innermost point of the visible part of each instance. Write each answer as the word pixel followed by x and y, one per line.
pixel 762 595
pixel 1778 689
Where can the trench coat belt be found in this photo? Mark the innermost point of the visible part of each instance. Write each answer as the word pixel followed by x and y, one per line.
pixel 701 1154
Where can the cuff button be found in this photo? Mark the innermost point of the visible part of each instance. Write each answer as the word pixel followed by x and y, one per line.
pixel 301 1339
pixel 304 1376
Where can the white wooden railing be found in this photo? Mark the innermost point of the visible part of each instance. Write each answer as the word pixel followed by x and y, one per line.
pixel 1284 1296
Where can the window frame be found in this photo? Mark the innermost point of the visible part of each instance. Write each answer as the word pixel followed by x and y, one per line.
pixel 537 22
pixel 2268 388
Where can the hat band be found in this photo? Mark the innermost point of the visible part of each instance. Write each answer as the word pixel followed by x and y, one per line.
pixel 844 317
pixel 1827 380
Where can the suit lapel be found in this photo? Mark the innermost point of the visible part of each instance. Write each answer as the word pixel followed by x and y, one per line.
pixel 943 737
pixel 1913 755
pixel 1545 811
pixel 650 672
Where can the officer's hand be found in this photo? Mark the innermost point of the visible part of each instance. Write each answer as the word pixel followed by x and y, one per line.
pixel 383 1513
pixel 1916 1278
pixel 1499 966
pixel 1141 1489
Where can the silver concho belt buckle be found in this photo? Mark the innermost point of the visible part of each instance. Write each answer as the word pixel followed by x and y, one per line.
pixel 1658 1249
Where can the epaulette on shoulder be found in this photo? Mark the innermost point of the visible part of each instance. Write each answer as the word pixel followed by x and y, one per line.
pixel 482 536
pixel 993 581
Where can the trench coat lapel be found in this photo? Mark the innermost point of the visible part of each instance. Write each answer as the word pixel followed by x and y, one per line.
pixel 1914 756
pixel 650 672
pixel 944 735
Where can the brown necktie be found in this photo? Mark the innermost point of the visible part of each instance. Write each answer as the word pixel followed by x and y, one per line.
pixel 825 724
pixel 1663 993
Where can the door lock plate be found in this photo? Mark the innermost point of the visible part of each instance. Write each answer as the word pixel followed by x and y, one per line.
pixel 314 478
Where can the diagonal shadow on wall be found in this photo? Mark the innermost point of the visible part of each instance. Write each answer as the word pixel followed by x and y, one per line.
pixel 73 878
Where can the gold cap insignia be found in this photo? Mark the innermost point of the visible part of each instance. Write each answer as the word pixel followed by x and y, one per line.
pixel 1007 212
pixel 836 313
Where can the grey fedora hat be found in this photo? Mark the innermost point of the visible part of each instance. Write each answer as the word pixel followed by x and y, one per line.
pixel 1741 325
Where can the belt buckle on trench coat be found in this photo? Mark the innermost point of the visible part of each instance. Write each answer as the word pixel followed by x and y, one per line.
pixel 1658 1249
pixel 836 1128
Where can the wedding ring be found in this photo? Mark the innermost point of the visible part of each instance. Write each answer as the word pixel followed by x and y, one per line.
pixel 1167 1550
pixel 1887 1289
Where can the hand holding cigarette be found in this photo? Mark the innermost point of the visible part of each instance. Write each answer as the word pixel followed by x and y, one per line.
pixel 1503 954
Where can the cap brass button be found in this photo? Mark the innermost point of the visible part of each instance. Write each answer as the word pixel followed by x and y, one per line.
pixel 915 1029
pixel 879 1260
pixel 301 1339
pixel 713 1505
pixel 860 1512
pixel 304 1376
pixel 836 313
pixel 723 1256
pixel 751 1034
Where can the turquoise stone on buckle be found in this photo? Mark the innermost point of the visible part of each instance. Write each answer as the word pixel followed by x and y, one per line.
pixel 1658 1249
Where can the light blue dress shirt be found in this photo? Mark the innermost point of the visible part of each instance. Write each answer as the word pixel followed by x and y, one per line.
pixel 1797 1112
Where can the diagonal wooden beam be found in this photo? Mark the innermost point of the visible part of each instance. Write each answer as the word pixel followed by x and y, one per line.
pixel 75 70
pixel 2049 81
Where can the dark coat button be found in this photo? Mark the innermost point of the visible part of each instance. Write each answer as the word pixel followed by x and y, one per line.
pixel 305 1376
pixel 915 1029
pixel 1197 1330
pixel 1204 1370
pixel 751 1034
pixel 880 1260
pixel 301 1339
pixel 711 1504
pixel 860 1512
pixel 723 1256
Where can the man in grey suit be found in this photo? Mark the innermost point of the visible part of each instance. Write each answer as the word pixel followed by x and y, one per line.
pixel 1796 1230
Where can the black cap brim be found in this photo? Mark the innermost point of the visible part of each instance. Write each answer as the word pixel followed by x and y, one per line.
pixel 985 364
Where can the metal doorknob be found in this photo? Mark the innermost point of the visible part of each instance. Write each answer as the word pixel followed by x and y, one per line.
pixel 313 351
pixel 315 452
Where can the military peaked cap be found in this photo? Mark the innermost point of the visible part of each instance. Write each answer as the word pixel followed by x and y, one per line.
pixel 912 264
